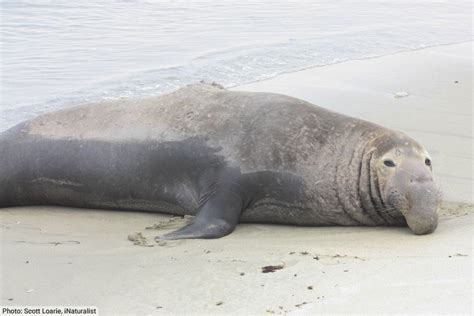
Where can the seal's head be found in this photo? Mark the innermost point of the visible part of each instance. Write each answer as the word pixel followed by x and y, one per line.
pixel 405 175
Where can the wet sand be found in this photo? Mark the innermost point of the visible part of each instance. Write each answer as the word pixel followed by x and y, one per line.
pixel 60 256
pixel 65 256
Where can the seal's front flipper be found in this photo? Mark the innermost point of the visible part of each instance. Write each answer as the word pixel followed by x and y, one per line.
pixel 216 218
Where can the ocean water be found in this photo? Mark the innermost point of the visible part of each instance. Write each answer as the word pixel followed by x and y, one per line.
pixel 56 54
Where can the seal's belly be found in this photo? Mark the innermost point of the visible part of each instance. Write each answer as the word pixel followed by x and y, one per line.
pixel 146 176
pixel 48 191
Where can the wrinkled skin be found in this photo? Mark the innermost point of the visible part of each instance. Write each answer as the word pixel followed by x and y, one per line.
pixel 224 156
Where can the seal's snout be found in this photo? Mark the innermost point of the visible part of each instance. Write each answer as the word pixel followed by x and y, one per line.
pixel 423 200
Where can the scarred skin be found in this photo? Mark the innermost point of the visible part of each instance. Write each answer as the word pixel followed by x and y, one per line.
pixel 223 156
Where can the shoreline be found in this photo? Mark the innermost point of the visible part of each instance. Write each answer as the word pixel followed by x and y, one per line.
pixel 74 98
pixel 236 86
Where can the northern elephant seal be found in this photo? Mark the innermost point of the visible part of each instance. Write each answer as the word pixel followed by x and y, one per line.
pixel 224 156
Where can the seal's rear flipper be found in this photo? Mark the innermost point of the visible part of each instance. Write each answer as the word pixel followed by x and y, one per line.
pixel 216 218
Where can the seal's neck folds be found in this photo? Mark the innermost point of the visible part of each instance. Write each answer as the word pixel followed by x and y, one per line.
pixel 358 188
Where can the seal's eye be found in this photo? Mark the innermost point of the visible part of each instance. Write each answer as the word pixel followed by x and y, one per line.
pixel 427 162
pixel 389 163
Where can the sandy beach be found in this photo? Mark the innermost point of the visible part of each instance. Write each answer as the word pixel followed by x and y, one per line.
pixel 55 256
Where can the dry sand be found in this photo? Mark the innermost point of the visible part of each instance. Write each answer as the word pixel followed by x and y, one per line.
pixel 64 256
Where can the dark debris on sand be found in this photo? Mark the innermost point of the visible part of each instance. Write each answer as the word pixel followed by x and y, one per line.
pixel 268 269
